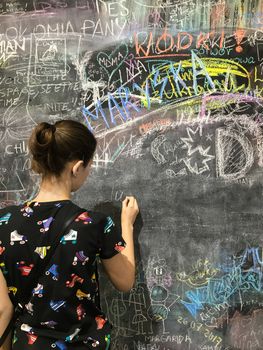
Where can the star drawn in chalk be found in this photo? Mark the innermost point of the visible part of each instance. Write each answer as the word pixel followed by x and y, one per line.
pixel 191 144
pixel 198 164
pixel 208 137
pixel 197 156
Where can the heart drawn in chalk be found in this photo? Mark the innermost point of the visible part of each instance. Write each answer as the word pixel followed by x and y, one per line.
pixel 111 63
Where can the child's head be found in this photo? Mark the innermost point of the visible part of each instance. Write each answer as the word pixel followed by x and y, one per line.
pixel 53 147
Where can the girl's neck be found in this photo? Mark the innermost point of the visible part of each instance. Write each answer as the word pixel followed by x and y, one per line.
pixel 52 189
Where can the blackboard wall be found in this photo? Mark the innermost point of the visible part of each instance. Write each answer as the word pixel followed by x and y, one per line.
pixel 173 92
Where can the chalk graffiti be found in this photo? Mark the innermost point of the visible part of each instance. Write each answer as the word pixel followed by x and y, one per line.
pixel 219 289
pixel 173 91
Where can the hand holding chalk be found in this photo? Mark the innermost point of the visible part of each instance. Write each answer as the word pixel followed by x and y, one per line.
pixel 129 211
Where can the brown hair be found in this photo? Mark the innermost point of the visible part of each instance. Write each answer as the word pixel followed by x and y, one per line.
pixel 53 145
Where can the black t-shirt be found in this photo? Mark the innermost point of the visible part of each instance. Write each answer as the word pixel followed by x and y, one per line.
pixel 64 305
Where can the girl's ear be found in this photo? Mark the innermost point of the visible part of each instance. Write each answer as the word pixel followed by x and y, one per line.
pixel 76 167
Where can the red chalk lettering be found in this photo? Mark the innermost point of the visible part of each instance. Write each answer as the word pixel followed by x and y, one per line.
pixel 165 39
pixel 139 47
pixel 181 38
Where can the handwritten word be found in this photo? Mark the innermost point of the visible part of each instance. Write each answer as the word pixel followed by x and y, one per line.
pixel 165 83
pixel 168 44
pixel 154 125
pixel 11 48
pixel 123 109
pixel 113 27
pixel 18 148
pixel 113 8
pixel 88 27
pixel 183 79
pixel 178 339
pixel 214 51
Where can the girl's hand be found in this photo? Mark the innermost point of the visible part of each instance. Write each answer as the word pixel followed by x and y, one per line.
pixel 129 211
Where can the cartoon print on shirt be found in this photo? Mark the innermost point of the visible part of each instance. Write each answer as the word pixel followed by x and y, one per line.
pixel 81 295
pixel 100 320
pixel 29 306
pixel 70 237
pixel 80 257
pixel 26 328
pixel 84 217
pixel 73 335
pixel 27 211
pixel 119 246
pixel 24 268
pixel 80 312
pixel 94 342
pixel 56 305
pixel 107 339
pixel 16 237
pixel 53 271
pixel 42 251
pixel 58 205
pixel 94 282
pixel 49 324
pixel 81 288
pixel 109 225
pixel 31 338
pixel 59 344
pixel 38 290
pixel 12 289
pixel 3 268
pixel 46 223
pixel 5 218
pixel 14 340
pixel 2 249
pixel 74 279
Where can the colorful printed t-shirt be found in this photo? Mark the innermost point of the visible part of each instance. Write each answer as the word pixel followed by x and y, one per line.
pixel 64 311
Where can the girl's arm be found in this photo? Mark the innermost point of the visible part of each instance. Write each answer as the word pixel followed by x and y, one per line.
pixel 6 311
pixel 121 267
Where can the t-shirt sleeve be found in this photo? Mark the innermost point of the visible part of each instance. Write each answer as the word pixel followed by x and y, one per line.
pixel 111 242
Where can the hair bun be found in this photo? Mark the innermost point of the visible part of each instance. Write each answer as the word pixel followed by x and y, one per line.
pixel 42 143
pixel 52 146
pixel 45 134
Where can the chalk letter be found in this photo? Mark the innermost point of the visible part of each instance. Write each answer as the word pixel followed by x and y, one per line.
pixel 202 71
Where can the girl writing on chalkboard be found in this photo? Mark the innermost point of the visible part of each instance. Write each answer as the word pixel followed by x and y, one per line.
pixel 63 308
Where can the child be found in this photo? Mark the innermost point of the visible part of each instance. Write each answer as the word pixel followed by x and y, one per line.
pixel 63 311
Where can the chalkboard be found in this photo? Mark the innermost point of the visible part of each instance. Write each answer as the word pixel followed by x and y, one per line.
pixel 173 92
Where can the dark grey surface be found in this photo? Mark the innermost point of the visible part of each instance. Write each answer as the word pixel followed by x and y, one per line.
pixel 193 161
